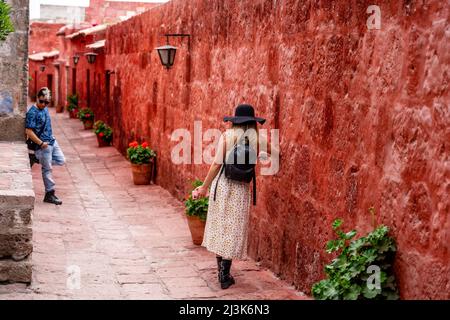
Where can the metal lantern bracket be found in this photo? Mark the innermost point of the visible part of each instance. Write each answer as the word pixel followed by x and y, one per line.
pixel 180 35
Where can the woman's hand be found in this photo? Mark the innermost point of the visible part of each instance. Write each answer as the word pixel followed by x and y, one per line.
pixel 199 192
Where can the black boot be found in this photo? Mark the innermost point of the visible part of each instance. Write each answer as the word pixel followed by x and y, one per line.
pixel 51 198
pixel 226 280
pixel 219 266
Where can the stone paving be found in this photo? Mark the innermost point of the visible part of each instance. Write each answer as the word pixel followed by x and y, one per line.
pixel 126 241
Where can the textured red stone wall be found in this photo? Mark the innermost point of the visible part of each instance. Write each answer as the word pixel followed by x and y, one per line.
pixel 98 94
pixel 43 37
pixel 38 78
pixel 363 118
pixel 92 98
pixel 100 11
pixel 64 61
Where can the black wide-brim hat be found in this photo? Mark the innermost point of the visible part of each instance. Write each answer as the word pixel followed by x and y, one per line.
pixel 244 113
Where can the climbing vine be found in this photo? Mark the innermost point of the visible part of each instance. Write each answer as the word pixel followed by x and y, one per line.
pixel 6 26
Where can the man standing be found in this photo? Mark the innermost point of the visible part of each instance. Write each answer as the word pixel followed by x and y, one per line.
pixel 39 129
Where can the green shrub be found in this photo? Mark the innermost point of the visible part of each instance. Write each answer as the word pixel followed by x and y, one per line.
pixel 140 153
pixel 72 102
pixel 6 26
pixel 197 207
pixel 350 274
pixel 102 130
pixel 86 114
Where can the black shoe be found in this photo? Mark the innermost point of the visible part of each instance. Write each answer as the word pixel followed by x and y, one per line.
pixel 226 280
pixel 51 198
pixel 219 266
pixel 33 159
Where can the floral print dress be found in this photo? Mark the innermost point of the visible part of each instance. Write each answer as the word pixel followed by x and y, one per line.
pixel 226 230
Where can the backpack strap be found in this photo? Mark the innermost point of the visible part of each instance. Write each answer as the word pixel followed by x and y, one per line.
pixel 217 182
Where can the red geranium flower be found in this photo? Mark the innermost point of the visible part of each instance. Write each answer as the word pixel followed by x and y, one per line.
pixel 88 115
pixel 101 134
pixel 133 144
pixel 144 145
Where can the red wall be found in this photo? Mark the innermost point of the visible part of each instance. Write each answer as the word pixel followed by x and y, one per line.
pixel 100 11
pixel 41 77
pixel 67 49
pixel 43 37
pixel 58 80
pixel 78 46
pixel 363 118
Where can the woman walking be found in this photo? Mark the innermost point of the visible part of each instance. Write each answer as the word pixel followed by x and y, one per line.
pixel 228 211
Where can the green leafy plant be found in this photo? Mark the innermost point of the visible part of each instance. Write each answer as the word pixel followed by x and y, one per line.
pixel 6 26
pixel 72 102
pixel 86 114
pixel 104 131
pixel 140 153
pixel 198 207
pixel 350 275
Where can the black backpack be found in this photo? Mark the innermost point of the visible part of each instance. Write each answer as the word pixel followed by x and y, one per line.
pixel 240 165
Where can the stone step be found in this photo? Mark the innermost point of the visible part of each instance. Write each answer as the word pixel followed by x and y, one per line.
pixel 16 210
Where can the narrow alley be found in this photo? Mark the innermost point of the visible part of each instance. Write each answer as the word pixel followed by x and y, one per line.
pixel 124 241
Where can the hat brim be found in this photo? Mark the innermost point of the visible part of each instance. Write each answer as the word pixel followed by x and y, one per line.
pixel 240 120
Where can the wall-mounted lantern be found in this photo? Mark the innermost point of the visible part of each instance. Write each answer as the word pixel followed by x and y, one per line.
pixel 91 56
pixel 167 53
pixel 42 68
pixel 76 58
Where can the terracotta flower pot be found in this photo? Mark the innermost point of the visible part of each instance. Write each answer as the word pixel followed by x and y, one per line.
pixel 142 173
pixel 102 142
pixel 88 124
pixel 197 228
pixel 73 113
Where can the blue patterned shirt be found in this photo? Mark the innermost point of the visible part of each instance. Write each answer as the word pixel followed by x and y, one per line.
pixel 39 121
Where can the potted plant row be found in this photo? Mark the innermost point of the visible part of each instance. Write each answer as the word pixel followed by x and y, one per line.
pixel 86 115
pixel 196 212
pixel 142 161
pixel 72 106
pixel 104 133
